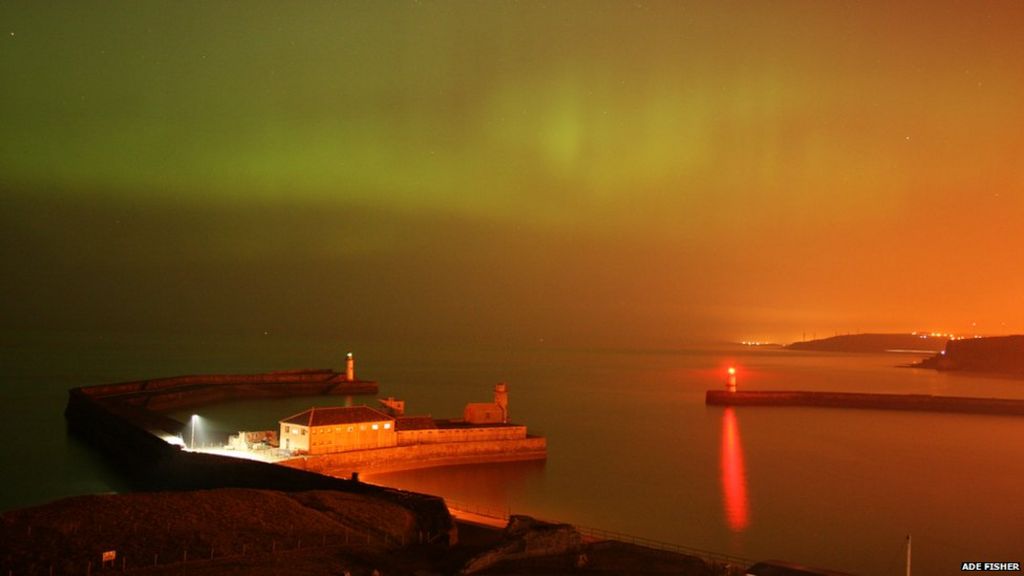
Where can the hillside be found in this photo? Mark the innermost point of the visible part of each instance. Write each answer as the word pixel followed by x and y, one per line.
pixel 164 528
pixel 871 343
pixel 997 354
pixel 264 533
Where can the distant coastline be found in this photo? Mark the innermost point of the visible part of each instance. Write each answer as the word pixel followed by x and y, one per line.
pixel 869 343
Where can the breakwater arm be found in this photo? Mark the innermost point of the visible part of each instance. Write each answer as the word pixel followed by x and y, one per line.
pixel 178 392
pixel 122 421
pixel 913 402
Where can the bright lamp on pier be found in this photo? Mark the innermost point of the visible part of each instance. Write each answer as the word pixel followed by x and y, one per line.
pixel 195 420
pixel 730 382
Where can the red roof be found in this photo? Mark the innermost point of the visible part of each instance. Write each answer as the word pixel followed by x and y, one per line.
pixel 332 415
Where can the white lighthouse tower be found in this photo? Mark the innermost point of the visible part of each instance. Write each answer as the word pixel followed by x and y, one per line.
pixel 350 368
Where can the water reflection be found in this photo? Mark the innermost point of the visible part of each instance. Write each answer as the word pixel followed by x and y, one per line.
pixel 734 476
pixel 489 488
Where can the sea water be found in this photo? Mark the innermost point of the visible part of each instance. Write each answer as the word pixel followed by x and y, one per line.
pixel 632 447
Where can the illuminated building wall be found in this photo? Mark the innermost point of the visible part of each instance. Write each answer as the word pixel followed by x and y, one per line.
pixel 337 429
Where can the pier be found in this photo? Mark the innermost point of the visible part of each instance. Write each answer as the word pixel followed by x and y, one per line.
pixel 125 422
pixel 857 400
pixel 175 393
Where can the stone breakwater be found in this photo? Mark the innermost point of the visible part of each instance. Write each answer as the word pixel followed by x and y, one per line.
pixel 913 402
pixel 122 421
pixel 178 392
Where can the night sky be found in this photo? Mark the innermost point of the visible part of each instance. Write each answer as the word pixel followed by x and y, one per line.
pixel 581 172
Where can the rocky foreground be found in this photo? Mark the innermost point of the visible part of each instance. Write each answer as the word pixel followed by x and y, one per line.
pixel 242 531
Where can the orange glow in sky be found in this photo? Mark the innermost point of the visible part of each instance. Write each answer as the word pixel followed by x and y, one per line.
pixel 620 172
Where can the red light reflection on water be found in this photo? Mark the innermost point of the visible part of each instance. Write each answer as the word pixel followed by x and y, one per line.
pixel 734 477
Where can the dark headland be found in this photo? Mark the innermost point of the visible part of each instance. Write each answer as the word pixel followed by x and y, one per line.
pixel 873 343
pixel 994 354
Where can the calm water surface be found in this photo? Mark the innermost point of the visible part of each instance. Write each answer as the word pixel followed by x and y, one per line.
pixel 632 447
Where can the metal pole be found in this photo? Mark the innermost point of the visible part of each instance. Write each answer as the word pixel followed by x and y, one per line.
pixel 908 554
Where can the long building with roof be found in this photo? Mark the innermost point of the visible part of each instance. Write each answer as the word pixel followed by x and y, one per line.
pixel 359 437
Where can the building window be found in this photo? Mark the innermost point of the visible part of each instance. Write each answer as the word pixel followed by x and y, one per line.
pixel 375 427
pixel 387 425
pixel 362 426
pixel 287 429
pixel 350 428
pixel 303 431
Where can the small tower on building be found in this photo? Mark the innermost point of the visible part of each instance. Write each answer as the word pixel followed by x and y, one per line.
pixel 350 368
pixel 501 400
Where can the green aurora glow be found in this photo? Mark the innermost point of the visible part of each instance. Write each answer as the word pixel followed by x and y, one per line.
pixel 620 170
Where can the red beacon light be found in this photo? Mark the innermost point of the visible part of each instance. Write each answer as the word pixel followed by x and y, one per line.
pixel 730 382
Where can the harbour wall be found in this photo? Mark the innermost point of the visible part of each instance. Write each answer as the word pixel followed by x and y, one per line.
pixel 442 435
pixel 179 392
pixel 422 456
pixel 912 402
pixel 131 437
